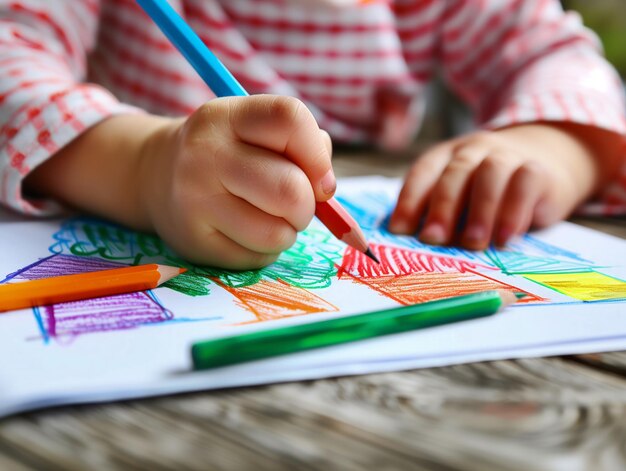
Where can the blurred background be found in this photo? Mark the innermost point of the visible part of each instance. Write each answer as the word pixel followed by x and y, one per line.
pixel 608 19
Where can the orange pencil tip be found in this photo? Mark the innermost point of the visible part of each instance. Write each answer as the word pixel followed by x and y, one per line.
pixel 181 270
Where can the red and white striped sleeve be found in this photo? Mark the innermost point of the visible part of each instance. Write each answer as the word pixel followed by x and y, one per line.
pixel 517 61
pixel 44 100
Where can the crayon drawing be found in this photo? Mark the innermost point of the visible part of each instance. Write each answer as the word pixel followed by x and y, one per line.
pixel 297 284
pixel 64 321
pixel 409 276
pixel 586 286
pixel 138 345
pixel 552 267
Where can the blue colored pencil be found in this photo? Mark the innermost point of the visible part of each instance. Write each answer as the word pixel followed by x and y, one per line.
pixel 222 83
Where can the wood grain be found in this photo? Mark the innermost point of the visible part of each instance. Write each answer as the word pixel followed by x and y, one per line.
pixel 540 414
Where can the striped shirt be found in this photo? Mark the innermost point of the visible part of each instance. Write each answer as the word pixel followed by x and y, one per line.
pixel 65 65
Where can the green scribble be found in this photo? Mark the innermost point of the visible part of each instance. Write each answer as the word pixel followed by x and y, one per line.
pixel 88 237
pixel 310 263
pixel 190 284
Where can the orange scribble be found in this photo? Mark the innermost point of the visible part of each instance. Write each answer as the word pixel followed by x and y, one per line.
pixel 277 300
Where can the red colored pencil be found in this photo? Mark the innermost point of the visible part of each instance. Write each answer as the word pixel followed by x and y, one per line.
pixel 343 226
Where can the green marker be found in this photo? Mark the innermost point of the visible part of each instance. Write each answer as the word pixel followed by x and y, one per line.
pixel 298 338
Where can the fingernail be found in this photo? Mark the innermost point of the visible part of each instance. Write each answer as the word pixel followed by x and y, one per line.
pixel 329 182
pixel 433 234
pixel 475 234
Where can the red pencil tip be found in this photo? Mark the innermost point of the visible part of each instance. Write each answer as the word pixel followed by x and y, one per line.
pixel 371 255
pixel 181 270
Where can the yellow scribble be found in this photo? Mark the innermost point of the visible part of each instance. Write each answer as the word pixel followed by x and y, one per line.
pixel 587 286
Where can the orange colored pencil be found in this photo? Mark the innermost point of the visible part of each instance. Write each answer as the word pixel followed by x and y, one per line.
pixel 60 289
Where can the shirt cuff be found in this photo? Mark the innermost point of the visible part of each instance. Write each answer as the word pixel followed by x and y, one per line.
pixel 43 127
pixel 582 107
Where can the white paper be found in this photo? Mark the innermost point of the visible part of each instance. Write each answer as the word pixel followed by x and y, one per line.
pixel 138 345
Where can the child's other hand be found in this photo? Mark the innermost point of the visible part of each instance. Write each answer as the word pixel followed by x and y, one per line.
pixel 232 184
pixel 507 181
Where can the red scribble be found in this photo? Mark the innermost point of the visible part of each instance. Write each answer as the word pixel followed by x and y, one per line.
pixel 410 277
pixel 398 261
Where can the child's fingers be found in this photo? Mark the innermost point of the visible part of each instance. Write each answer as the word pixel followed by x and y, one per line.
pixel 226 253
pixel 446 200
pixel 268 181
pixel 489 184
pixel 248 226
pixel 550 209
pixel 417 185
pixel 285 126
pixel 205 245
pixel 526 188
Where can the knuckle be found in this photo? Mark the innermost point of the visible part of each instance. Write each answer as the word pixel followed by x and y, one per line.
pixel 462 160
pixel 497 165
pixel 275 238
pixel 425 165
pixel 531 169
pixel 206 113
pixel 302 220
pixel 286 109
pixel 290 188
pixel 491 163
pixel 479 138
pixel 203 112
pixel 191 129
pixel 205 123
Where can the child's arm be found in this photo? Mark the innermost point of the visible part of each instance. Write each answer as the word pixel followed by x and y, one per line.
pixel 44 101
pixel 553 115
pixel 229 186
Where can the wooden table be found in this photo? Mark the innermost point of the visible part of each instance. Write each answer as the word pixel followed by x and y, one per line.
pixel 565 413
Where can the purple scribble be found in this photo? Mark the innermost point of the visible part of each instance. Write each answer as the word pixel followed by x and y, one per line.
pixel 105 314
pixel 57 265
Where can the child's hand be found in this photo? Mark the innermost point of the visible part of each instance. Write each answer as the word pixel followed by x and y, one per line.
pixel 507 181
pixel 232 184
